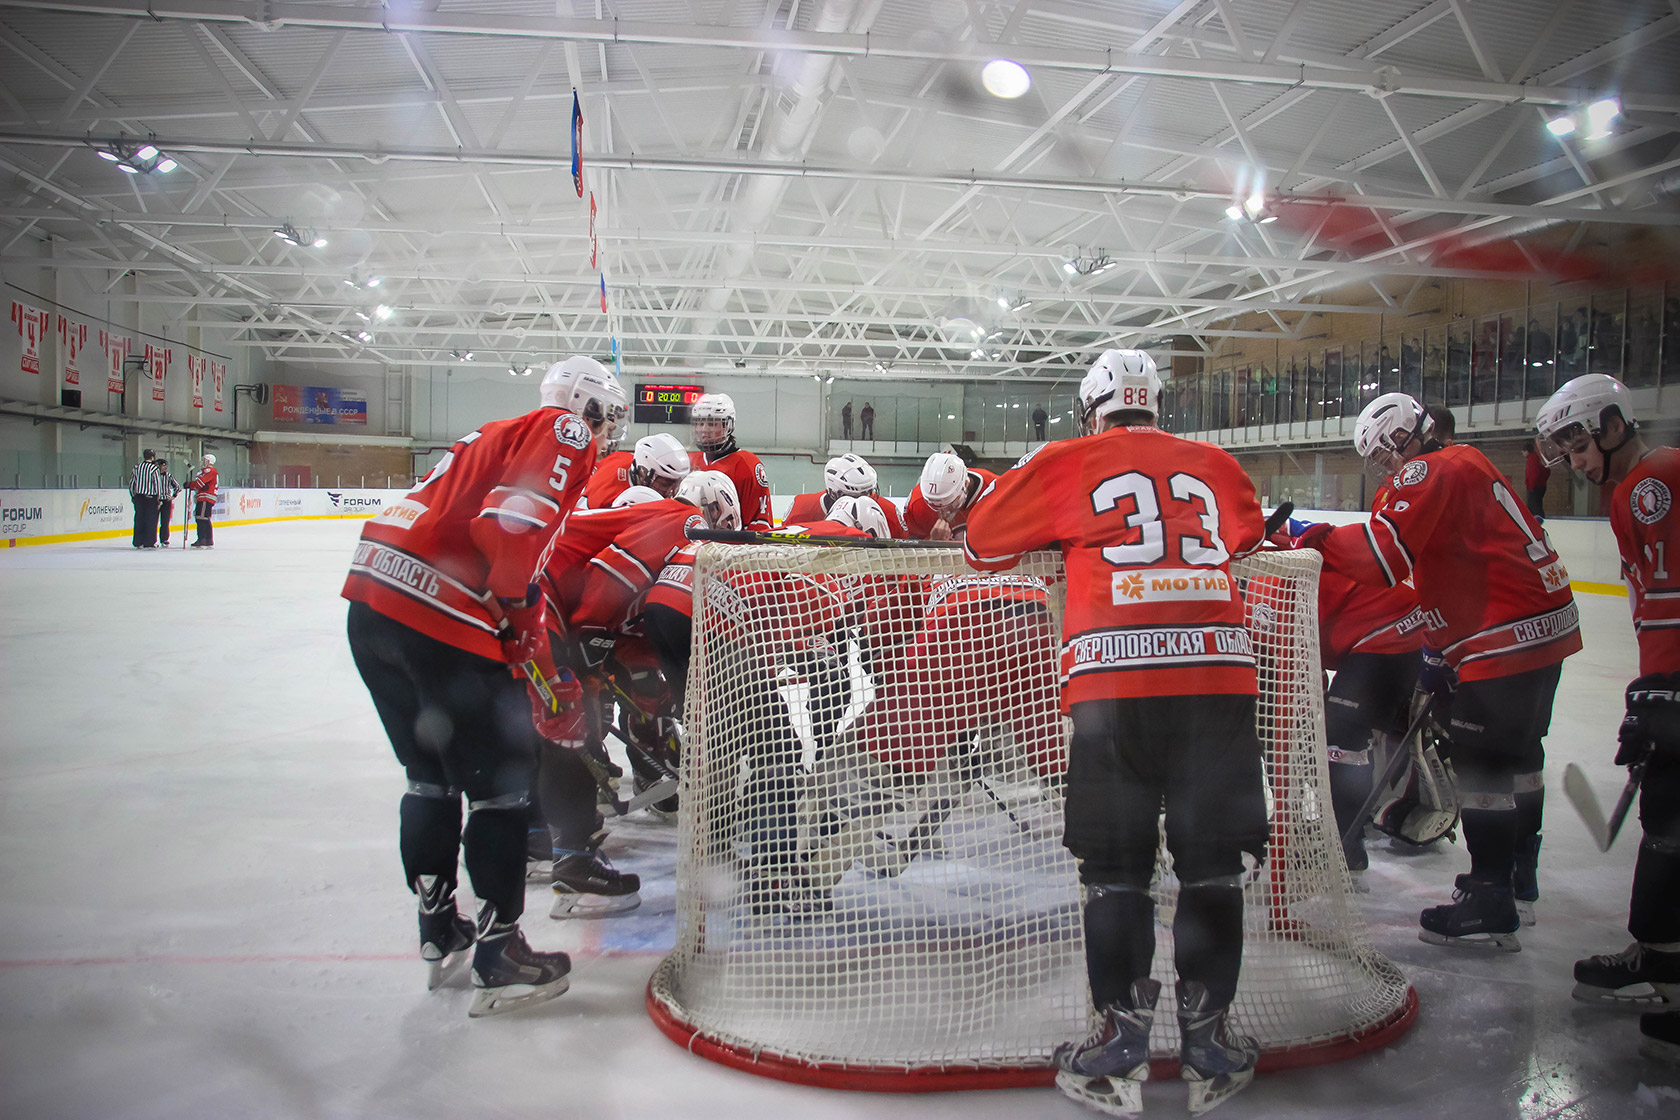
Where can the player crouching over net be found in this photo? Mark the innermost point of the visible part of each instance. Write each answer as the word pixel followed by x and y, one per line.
pixel 1160 680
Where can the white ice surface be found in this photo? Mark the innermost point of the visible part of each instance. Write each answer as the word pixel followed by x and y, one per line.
pixel 202 912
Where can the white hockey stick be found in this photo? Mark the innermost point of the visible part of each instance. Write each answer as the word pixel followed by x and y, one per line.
pixel 1581 795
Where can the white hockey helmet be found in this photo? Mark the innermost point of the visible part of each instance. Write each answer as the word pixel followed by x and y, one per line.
pixel 944 483
pixel 713 493
pixel 660 462
pixel 1118 381
pixel 1576 413
pixel 849 474
pixel 1385 427
pixel 209 459
pixel 636 495
pixel 582 385
pixel 713 418
pixel 860 512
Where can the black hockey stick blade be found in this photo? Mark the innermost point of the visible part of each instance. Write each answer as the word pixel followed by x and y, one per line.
pixel 1580 793
pixel 658 791
pixel 743 536
pixel 1279 516
pixel 1396 763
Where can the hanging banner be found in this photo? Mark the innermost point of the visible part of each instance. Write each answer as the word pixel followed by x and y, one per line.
pixel 116 347
pixel 32 328
pixel 594 246
pixel 72 340
pixel 577 144
pixel 309 404
pixel 157 362
pixel 195 374
pixel 603 294
pixel 218 373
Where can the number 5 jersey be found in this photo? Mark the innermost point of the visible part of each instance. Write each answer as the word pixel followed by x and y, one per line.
pixel 1147 524
pixel 1493 595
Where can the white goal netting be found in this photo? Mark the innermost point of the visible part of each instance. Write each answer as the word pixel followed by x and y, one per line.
pixel 871 878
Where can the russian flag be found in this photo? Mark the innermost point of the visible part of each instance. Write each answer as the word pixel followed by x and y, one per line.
pixel 577 144
pixel 603 294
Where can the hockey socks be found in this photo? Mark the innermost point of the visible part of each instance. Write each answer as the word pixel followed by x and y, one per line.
pixel 1119 939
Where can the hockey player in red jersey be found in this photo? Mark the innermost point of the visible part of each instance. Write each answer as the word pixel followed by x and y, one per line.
pixel 658 462
pixel 937 509
pixel 845 475
pixel 1496 603
pixel 203 486
pixel 1590 422
pixel 1160 680
pixel 441 604
pixel 713 418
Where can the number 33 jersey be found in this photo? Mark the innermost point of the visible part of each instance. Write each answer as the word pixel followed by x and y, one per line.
pixel 1147 524
pixel 1492 593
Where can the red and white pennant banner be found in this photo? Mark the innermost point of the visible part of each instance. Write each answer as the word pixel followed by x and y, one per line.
pixel 116 347
pixel 218 374
pixel 72 340
pixel 31 323
pixel 195 371
pixel 157 361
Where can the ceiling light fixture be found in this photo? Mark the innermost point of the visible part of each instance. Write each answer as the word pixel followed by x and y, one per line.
pixel 1089 263
pixel 1601 114
pixel 1005 78
pixel 136 161
pixel 290 234
pixel 1561 126
pixel 357 282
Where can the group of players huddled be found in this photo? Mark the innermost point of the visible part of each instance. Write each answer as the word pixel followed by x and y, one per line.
pixel 520 550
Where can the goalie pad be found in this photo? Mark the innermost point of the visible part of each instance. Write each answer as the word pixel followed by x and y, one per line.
pixel 1422 804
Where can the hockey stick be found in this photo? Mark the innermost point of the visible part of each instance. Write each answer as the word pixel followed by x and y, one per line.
pixel 1581 795
pixel 1278 517
pixel 1396 764
pixel 743 536
pixel 659 791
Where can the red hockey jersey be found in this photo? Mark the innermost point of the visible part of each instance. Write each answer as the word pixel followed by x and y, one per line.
pixel 752 484
pixel 1493 594
pixel 474 528
pixel 919 516
pixel 1148 524
pixel 812 507
pixel 203 484
pixel 1643 519
pixel 610 478
pixel 1356 617
pixel 621 573
pixel 564 565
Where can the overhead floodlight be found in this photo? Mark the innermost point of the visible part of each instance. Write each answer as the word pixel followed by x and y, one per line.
pixel 1234 212
pixel 1266 217
pixel 165 165
pixel 288 233
pixel 373 281
pixel 364 336
pixel 108 153
pixel 382 312
pixel 1071 267
pixel 1004 78
pixel 1561 126
pixel 467 357
pixel 1254 204
pixel 1600 115
pixel 1003 302
pixel 146 152
pixel 135 161
pixel 127 168
pixel 318 243
pixel 362 315
pixel 978 354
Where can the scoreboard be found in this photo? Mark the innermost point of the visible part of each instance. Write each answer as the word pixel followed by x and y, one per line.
pixel 663 404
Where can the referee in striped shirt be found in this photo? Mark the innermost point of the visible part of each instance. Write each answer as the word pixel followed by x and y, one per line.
pixel 145 486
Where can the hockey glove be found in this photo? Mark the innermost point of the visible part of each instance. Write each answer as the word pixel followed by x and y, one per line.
pixel 1312 536
pixel 1653 718
pixel 1439 680
pixel 567 726
pixel 524 632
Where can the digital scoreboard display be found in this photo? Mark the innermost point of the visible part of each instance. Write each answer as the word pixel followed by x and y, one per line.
pixel 663 404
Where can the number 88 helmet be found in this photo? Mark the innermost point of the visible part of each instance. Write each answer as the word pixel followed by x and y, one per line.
pixel 1119 381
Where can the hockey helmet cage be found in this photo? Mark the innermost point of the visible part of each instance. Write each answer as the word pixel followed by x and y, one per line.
pixel 1385 427
pixel 636 495
pixel 584 386
pixel 660 462
pixel 860 512
pixel 713 493
pixel 849 474
pixel 1119 381
pixel 1576 413
pixel 713 420
pixel 944 483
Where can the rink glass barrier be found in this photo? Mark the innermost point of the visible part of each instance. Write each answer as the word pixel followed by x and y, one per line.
pixel 60 516
pixel 871 887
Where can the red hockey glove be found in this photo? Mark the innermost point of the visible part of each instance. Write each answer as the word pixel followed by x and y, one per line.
pixel 524 632
pixel 1312 536
pixel 567 725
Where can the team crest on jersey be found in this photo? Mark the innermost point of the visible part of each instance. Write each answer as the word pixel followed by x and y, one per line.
pixel 572 432
pixel 1650 501
pixel 761 475
pixel 1413 472
pixel 1170 585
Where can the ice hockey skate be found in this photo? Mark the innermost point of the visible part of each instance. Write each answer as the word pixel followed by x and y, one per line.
pixel 1215 1060
pixel 1639 977
pixel 507 973
pixel 1108 1069
pixel 586 885
pixel 1482 915
pixel 445 934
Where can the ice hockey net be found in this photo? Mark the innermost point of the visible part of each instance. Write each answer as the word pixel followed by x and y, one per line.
pixel 871 887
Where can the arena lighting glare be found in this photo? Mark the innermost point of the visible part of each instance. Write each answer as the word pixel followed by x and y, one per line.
pixel 1600 115
pixel 136 161
pixel 1004 78
pixel 1561 126
pixel 289 233
pixel 382 312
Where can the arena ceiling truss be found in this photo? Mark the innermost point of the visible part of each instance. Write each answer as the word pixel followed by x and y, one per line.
pixel 803 187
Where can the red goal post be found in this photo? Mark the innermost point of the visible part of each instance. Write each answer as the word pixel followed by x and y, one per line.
pixel 871 888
